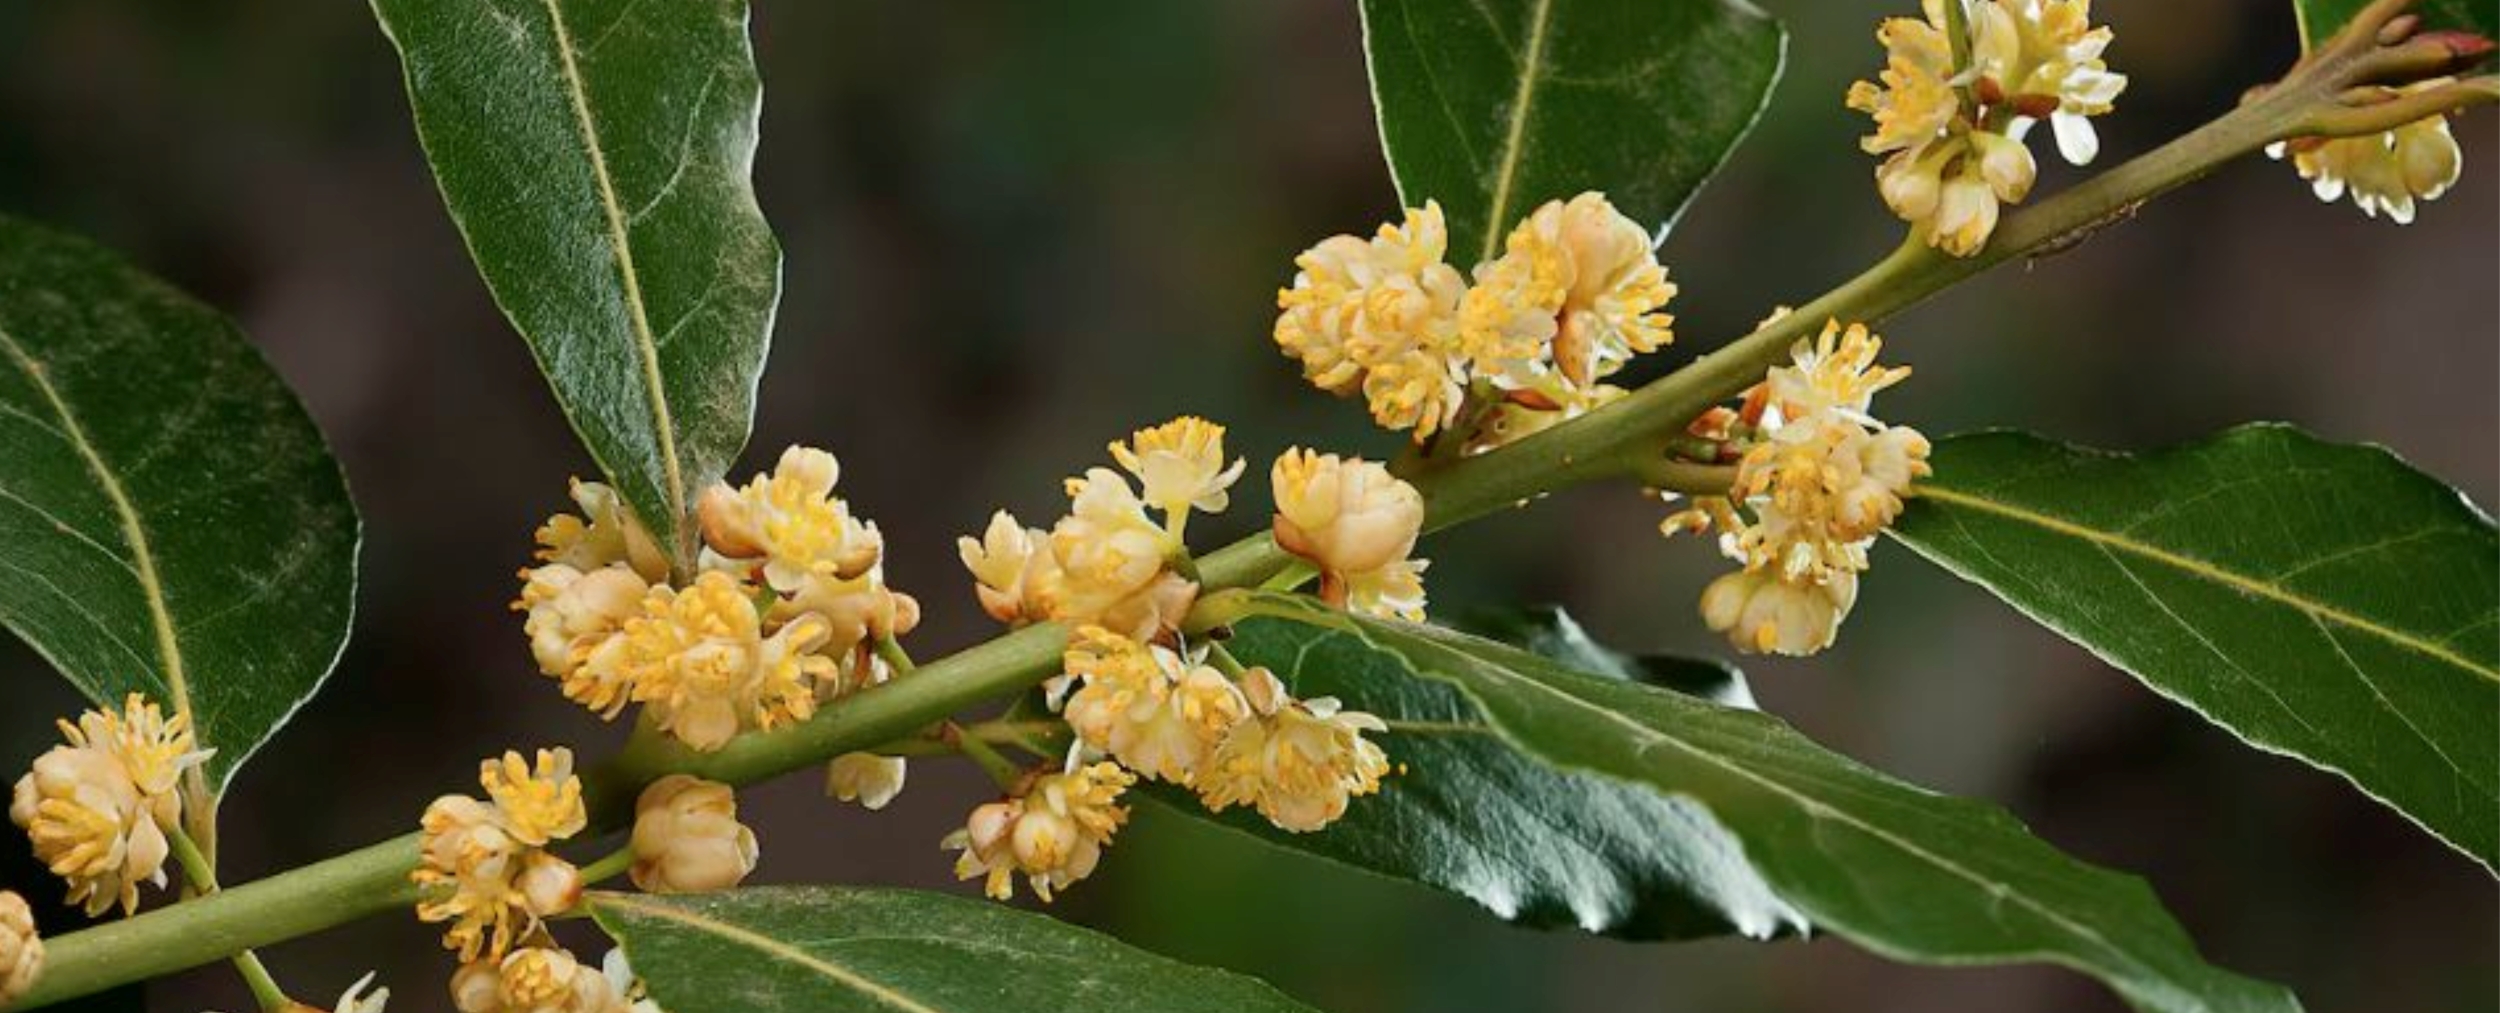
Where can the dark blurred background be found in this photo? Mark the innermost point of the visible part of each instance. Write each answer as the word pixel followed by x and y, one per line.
pixel 1016 230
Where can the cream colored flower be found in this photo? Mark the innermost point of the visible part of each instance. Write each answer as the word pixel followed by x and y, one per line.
pixel 1576 293
pixel 2390 172
pixel 1836 370
pixel 1357 523
pixel 866 778
pixel 687 838
pixel 1381 316
pixel 538 804
pixel 1952 135
pixel 1149 707
pixel 354 1000
pixel 1007 562
pixel 97 810
pixel 21 948
pixel 1299 762
pixel 700 659
pixel 605 532
pixel 1180 465
pixel 621 979
pixel 1763 611
pixel 1054 832
pixel 481 864
pixel 792 522
pixel 540 979
pixel 573 626
pixel 1394 591
pixel 1109 562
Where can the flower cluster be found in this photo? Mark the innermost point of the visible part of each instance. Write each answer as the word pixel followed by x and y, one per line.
pixel 1576 292
pixel 1132 691
pixel 1951 113
pixel 483 864
pixel 548 979
pixel 783 612
pixel 99 808
pixel 2389 171
pixel 1108 562
pixel 1818 478
pixel 1052 829
pixel 21 949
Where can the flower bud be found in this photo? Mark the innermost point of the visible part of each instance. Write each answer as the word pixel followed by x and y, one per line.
pixel 21 950
pixel 866 778
pixel 549 885
pixel 534 980
pixel 687 838
pixel 1762 613
pixel 1345 514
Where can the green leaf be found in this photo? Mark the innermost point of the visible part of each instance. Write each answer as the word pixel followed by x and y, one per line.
pixel 1470 814
pixel 1550 632
pixel 596 155
pixel 170 520
pixel 1493 107
pixel 2321 601
pixel 828 949
pixel 1903 872
pixel 2321 19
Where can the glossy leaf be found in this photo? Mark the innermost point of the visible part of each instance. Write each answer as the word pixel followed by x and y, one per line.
pixel 1471 814
pixel 170 521
pixel 1551 632
pixel 2321 19
pixel 1493 107
pixel 826 949
pixel 1903 872
pixel 597 155
pixel 2327 602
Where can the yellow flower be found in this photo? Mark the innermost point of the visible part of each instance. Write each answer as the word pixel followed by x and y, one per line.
pixel 1180 464
pixel 1394 591
pixel 1109 562
pixel 1299 762
pixel 687 838
pixel 97 810
pixel 2389 171
pixel 538 804
pixel 21 949
pixel 1054 832
pixel 540 979
pixel 1916 100
pixel 606 532
pixel 1147 706
pixel 1763 611
pixel 866 778
pixel 698 657
pixel 1381 316
pixel 792 521
pixel 1576 293
pixel 482 864
pixel 1007 562
pixel 573 626
pixel 1835 370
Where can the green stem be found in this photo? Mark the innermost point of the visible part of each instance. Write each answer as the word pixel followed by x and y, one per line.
pixel 891 650
pixel 1595 446
pixel 1000 769
pixel 201 872
pixel 609 867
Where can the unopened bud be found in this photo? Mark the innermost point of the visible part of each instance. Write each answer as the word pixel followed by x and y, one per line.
pixel 549 885
pixel 687 838
pixel 21 949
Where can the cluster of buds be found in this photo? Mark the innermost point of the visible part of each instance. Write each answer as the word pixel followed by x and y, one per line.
pixel 2390 171
pixel 1959 92
pixel 1132 691
pixel 21 948
pixel 783 612
pixel 1108 562
pixel 549 979
pixel 98 809
pixel 484 865
pixel 1576 292
pixel 1170 716
pixel 1817 478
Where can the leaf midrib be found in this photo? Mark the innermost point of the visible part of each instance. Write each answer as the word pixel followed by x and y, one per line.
pixel 621 243
pixel 134 534
pixel 1531 67
pixel 771 947
pixel 2214 573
